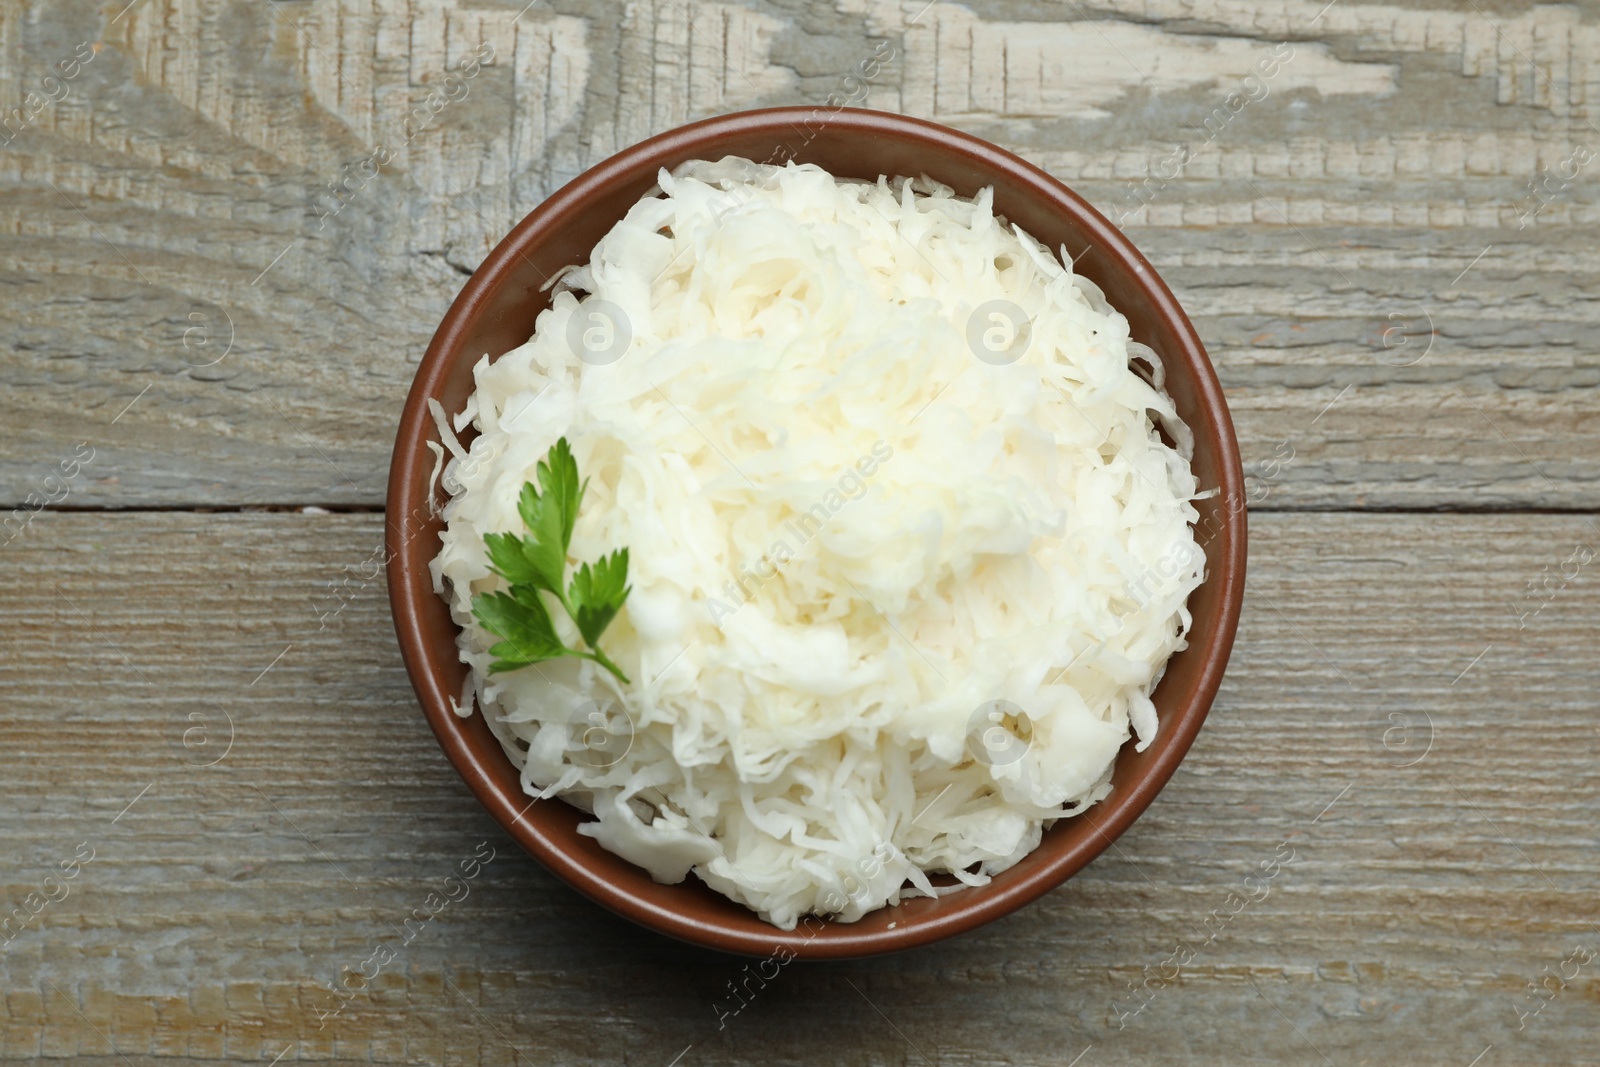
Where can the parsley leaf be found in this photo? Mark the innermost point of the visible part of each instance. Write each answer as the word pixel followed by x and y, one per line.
pixel 545 552
pixel 524 622
pixel 597 594
pixel 507 559
pixel 558 477
pixel 538 562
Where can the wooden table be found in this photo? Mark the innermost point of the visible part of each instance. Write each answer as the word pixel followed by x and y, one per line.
pixel 1388 244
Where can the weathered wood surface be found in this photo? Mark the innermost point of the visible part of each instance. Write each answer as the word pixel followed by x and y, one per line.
pixel 1419 902
pixel 1355 237
pixel 1309 234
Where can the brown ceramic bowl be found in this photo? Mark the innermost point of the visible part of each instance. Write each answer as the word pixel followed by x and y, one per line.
pixel 495 313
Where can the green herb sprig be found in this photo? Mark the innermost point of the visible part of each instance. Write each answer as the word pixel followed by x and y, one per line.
pixel 538 563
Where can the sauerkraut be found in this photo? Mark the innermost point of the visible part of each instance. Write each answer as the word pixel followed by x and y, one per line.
pixel 909 548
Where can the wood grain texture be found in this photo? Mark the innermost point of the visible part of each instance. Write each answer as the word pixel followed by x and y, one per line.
pixel 1414 905
pixel 213 703
pixel 1357 225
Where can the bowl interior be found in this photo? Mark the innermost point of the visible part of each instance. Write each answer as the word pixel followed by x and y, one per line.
pixel 495 313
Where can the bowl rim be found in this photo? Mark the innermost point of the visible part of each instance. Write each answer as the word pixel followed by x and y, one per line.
pixel 410 582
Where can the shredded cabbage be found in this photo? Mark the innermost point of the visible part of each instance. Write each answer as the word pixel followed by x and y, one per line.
pixel 895 607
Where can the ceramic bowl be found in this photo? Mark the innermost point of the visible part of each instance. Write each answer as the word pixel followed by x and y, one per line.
pixel 495 313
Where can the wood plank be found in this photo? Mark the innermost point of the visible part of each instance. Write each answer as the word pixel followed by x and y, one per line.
pixel 173 198
pixel 1430 883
